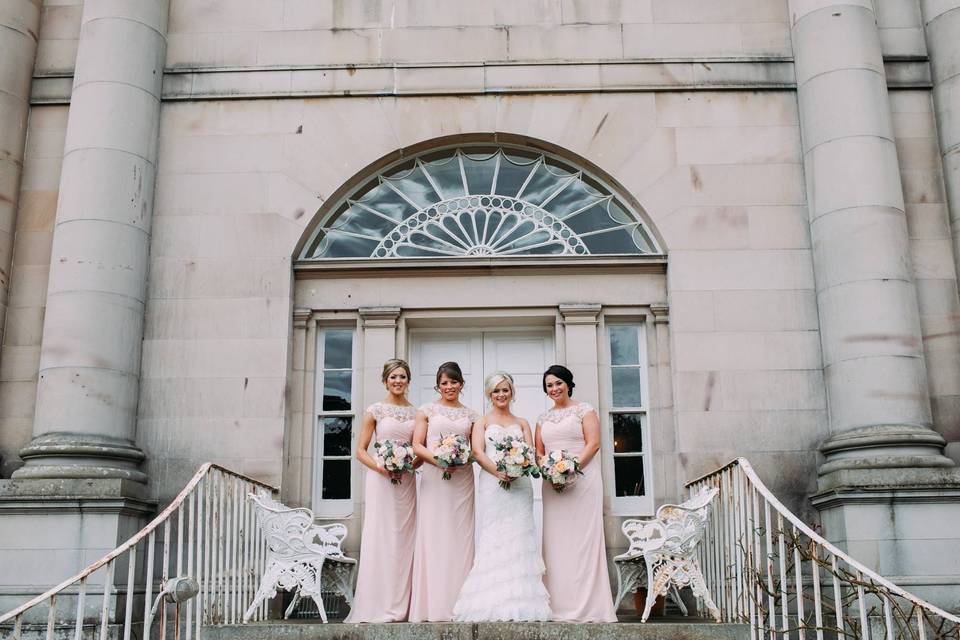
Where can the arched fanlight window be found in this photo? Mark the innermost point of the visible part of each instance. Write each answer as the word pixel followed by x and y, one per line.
pixel 480 201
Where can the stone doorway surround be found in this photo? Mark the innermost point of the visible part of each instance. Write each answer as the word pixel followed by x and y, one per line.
pixel 384 303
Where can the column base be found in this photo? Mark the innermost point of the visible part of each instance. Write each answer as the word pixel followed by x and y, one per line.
pixel 79 456
pixel 909 534
pixel 53 528
pixel 884 456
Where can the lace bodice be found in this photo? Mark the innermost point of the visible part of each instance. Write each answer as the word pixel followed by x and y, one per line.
pixel 432 409
pixel 442 421
pixel 393 421
pixel 563 428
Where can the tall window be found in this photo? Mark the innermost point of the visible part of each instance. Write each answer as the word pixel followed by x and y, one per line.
pixel 628 416
pixel 333 435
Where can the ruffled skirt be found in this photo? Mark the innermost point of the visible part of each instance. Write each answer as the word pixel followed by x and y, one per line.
pixel 506 581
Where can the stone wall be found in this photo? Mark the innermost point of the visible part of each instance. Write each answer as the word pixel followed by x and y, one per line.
pixel 718 171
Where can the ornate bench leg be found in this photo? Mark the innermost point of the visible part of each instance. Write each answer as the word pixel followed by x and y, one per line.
pixel 266 590
pixel 628 575
pixel 675 594
pixel 699 586
pixel 658 583
pixel 293 604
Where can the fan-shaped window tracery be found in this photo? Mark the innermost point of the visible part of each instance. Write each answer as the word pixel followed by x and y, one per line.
pixel 480 201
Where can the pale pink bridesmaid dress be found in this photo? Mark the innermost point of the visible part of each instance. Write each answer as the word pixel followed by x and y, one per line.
pixel 389 528
pixel 573 547
pixel 444 548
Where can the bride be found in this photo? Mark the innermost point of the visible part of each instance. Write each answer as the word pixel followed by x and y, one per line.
pixel 506 581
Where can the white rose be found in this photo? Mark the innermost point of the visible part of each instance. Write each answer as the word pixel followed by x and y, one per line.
pixel 556 455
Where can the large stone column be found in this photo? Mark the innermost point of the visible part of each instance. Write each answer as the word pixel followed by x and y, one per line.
pixel 883 463
pixel 941 19
pixel 93 327
pixel 19 24
pixel 869 320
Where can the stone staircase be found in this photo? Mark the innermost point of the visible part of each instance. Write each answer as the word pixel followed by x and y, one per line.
pixel 670 629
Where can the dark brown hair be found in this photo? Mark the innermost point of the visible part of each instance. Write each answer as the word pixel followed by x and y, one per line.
pixel 559 371
pixel 451 370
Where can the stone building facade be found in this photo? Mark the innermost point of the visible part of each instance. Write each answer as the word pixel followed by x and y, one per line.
pixel 788 170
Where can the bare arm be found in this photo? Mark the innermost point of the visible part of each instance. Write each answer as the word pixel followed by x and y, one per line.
pixel 420 440
pixel 478 441
pixel 538 443
pixel 527 435
pixel 591 438
pixel 363 443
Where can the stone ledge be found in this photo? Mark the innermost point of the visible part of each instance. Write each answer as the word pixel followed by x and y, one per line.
pixel 480 79
pixel 309 630
pixel 899 481
pixel 63 495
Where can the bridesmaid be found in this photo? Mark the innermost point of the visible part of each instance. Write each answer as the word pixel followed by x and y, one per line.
pixel 443 551
pixel 573 546
pixel 390 510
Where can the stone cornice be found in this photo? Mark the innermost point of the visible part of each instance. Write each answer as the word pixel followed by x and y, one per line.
pixel 707 74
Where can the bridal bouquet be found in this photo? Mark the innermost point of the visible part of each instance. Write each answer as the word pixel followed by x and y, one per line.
pixel 394 456
pixel 516 458
pixel 559 468
pixel 452 451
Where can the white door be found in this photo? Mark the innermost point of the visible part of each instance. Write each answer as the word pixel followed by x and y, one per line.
pixel 523 354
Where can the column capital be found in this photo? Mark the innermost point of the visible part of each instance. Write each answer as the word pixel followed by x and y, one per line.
pixel 580 313
pixel 379 317
pixel 301 317
pixel 660 312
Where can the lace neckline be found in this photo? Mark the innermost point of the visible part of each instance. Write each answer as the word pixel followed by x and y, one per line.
pixel 382 410
pixel 450 413
pixel 556 415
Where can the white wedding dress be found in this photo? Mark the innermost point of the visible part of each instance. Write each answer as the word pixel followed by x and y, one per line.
pixel 506 581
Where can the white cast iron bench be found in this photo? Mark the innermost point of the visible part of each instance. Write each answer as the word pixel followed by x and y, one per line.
pixel 301 556
pixel 666 545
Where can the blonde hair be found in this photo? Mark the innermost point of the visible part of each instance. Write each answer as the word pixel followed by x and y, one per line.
pixel 394 363
pixel 491 381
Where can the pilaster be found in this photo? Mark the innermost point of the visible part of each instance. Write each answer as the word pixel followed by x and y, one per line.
pixel 19 25
pixel 941 21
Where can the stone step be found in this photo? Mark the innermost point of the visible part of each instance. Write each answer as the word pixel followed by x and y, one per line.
pixel 682 629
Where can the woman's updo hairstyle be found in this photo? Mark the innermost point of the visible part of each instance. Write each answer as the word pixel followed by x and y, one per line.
pixel 559 371
pixel 394 363
pixel 494 379
pixel 451 370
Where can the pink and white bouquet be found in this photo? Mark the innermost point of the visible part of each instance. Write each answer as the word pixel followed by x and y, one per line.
pixel 559 468
pixel 395 456
pixel 452 451
pixel 514 457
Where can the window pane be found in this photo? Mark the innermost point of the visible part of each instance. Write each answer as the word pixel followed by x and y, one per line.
pixel 336 480
pixel 624 345
pixel 628 475
pixel 336 390
pixel 627 432
pixel 626 386
pixel 338 349
pixel 336 436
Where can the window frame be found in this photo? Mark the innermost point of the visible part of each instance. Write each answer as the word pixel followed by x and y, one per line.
pixel 332 507
pixel 628 505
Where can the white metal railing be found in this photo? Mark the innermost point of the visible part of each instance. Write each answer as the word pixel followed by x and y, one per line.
pixel 764 566
pixel 208 533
